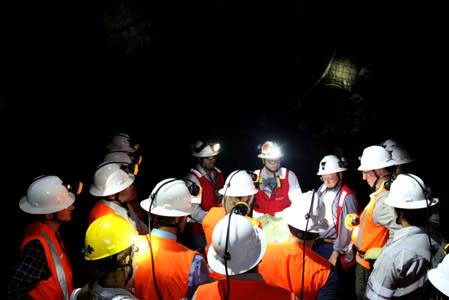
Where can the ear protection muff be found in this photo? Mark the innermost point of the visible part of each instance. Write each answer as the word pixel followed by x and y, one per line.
pixel 387 184
pixel 194 189
pixel 241 208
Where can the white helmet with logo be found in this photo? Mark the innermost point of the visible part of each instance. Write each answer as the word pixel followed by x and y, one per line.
pixel 110 179
pixel 238 184
pixel 400 155
pixel 331 164
pixel 46 195
pixel 439 276
pixel 408 191
pixel 120 142
pixel 203 149
pixel 375 157
pixel 305 213
pixel 246 245
pixel 388 143
pixel 170 198
pixel 270 150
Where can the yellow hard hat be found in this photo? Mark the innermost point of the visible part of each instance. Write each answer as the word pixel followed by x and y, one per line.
pixel 108 235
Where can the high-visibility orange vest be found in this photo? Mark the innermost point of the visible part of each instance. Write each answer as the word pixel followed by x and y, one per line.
pixel 282 265
pixel 367 234
pixel 98 210
pixel 172 263
pixel 60 285
pixel 213 216
pixel 242 289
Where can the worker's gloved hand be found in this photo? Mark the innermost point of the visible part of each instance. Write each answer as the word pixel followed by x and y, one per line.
pixel 373 253
pixel 351 221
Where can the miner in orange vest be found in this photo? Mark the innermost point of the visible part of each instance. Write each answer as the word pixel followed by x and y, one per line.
pixel 166 269
pixel 293 264
pixel 377 221
pixel 113 186
pixel 43 270
pixel 238 190
pixel 236 251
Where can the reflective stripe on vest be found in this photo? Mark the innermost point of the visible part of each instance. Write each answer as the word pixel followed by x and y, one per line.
pixel 59 270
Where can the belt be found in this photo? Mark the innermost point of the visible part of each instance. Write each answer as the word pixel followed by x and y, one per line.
pixel 326 241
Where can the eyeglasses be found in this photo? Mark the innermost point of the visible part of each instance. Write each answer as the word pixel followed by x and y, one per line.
pixel 273 162
pixel 329 178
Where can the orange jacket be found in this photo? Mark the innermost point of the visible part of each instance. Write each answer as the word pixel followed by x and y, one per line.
pixel 51 288
pixel 282 265
pixel 242 289
pixel 172 262
pixel 368 234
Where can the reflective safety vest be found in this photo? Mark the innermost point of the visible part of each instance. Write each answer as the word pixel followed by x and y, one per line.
pixel 105 207
pixel 172 263
pixel 59 286
pixel 241 289
pixel 213 216
pixel 209 197
pixel 368 234
pixel 278 200
pixel 282 265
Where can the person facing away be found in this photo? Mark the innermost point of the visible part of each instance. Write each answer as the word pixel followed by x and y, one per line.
pixel 293 264
pixel 166 269
pixel 236 251
pixel 121 141
pixel 131 166
pixel 339 200
pixel 43 270
pixel 401 268
pixel 114 188
pixel 239 190
pixel 109 244
pixel 439 278
pixel 210 178
pixel 399 154
pixel 377 223
pixel 274 182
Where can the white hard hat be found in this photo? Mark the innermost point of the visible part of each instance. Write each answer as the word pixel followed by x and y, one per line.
pixel 170 198
pixel 120 141
pixel 238 184
pixel 331 164
pixel 305 213
pixel 270 150
pixel 408 191
pixel 400 155
pixel 439 276
pixel 246 245
pixel 110 179
pixel 203 149
pixel 388 143
pixel 46 195
pixel 375 157
pixel 121 157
